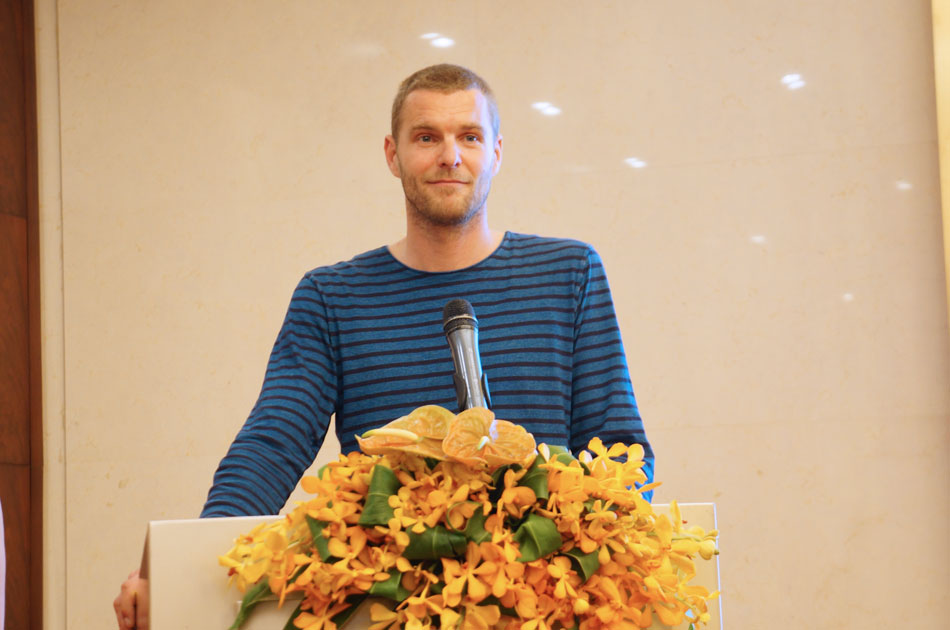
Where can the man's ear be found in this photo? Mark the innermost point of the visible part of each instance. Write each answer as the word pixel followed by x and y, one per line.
pixel 498 152
pixel 392 160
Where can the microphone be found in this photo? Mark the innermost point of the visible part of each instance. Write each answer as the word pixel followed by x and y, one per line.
pixel 461 331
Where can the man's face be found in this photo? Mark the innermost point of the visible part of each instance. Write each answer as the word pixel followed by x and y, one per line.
pixel 445 154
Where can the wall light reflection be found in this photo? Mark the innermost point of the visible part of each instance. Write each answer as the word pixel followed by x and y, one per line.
pixel 793 81
pixel 438 40
pixel 848 297
pixel 758 239
pixel 635 162
pixel 903 184
pixel 546 108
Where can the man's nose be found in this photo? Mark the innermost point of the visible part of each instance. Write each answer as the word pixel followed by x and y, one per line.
pixel 451 156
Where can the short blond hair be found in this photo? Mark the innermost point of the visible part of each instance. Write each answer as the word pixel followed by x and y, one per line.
pixel 445 78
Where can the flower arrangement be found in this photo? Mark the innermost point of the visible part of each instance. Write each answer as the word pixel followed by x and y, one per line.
pixel 460 522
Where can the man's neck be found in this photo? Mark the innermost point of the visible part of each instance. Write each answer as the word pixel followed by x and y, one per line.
pixel 428 247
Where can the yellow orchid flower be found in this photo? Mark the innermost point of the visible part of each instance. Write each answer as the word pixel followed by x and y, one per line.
pixel 643 562
pixel 382 616
pixel 480 617
pixel 464 576
pixel 515 499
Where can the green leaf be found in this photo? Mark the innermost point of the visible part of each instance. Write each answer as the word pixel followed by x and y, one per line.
pixel 537 479
pixel 252 597
pixel 497 484
pixel 382 485
pixel 319 540
pixel 391 588
pixel 586 564
pixel 537 537
pixel 556 450
pixel 435 542
pixel 290 622
pixel 475 528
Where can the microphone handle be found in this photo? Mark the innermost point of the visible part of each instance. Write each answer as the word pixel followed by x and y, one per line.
pixel 471 386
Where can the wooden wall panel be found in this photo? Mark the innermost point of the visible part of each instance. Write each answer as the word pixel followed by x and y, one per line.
pixel 15 493
pixel 34 526
pixel 14 343
pixel 13 180
pixel 21 421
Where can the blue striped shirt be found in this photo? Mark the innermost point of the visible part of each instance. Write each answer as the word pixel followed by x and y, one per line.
pixel 363 339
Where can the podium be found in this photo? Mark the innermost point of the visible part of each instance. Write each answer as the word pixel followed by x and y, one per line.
pixel 189 590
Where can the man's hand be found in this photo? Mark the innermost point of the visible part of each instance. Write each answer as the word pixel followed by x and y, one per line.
pixel 131 606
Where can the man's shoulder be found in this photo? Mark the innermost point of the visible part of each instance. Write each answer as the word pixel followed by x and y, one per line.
pixel 555 248
pixel 368 264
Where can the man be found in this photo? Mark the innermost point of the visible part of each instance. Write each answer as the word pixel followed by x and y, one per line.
pixel 363 339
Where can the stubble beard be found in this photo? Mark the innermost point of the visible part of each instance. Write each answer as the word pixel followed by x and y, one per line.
pixel 444 209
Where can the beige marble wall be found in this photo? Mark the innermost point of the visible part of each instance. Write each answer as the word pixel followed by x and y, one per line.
pixel 760 177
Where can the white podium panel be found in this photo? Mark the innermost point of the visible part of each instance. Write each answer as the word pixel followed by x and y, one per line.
pixel 189 589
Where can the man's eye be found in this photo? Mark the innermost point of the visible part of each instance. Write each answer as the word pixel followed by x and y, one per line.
pixel 425 138
pixel 472 138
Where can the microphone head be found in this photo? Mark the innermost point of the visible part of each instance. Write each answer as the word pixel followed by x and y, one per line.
pixel 456 313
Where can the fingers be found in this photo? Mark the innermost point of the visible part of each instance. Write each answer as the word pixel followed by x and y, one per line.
pixel 131 606
pixel 124 606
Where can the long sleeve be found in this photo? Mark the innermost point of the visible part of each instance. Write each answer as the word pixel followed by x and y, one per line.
pixel 363 340
pixel 603 403
pixel 288 423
